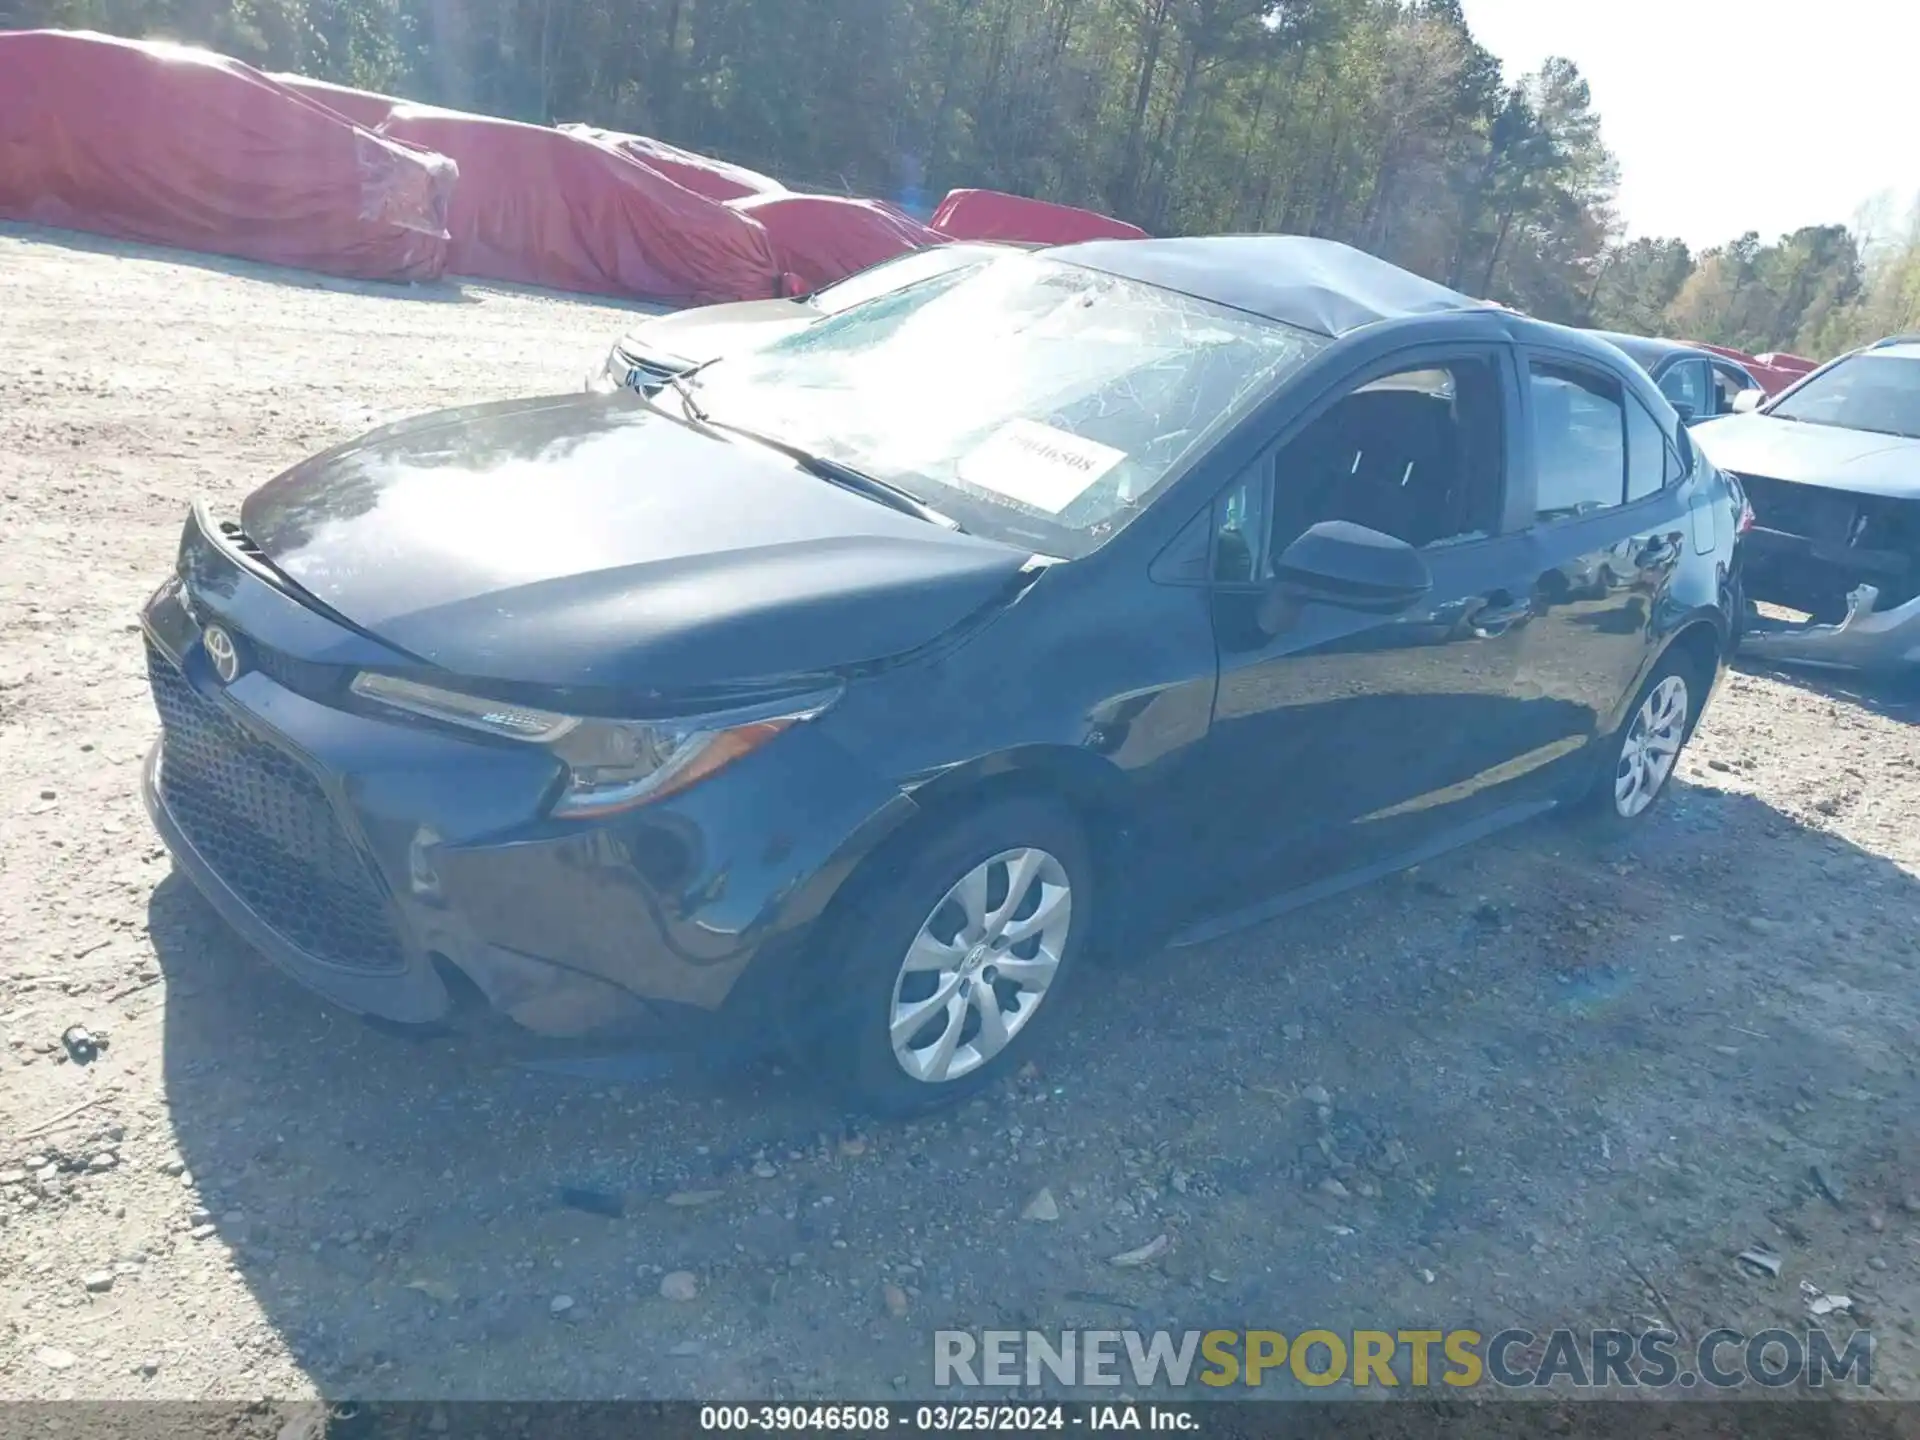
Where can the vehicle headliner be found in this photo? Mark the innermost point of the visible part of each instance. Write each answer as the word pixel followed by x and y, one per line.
pixel 1317 285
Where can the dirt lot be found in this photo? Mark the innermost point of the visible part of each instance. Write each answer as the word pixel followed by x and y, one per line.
pixel 1563 1085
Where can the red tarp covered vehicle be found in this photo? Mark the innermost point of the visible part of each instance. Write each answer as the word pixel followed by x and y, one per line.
pixel 363 107
pixel 702 174
pixel 157 142
pixel 544 207
pixel 823 238
pixel 994 215
pixel 1775 372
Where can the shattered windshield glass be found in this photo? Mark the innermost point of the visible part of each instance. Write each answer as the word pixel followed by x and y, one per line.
pixel 1037 399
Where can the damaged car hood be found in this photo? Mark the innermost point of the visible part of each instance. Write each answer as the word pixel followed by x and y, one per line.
pixel 709 331
pixel 594 541
pixel 1861 461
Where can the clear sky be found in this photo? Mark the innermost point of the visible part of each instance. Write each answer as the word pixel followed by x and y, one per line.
pixel 1734 115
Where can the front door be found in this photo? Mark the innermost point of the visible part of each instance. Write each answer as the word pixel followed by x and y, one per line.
pixel 1350 737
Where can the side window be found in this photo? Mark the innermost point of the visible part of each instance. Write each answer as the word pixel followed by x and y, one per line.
pixel 1240 528
pixel 1727 383
pixel 1685 386
pixel 1648 454
pixel 1416 454
pixel 1579 441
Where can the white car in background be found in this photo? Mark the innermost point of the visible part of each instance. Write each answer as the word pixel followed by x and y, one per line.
pixel 1831 467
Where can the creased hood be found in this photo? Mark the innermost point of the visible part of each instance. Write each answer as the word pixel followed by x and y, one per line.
pixel 706 331
pixel 1855 460
pixel 590 541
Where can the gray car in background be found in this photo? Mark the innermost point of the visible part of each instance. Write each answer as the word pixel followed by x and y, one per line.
pixel 656 350
pixel 1699 384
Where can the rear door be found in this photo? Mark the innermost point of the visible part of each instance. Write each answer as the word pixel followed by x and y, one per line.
pixel 1608 527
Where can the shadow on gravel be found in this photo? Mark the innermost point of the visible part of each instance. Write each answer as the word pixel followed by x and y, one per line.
pixel 1548 1068
pixel 445 292
pixel 1895 696
pixel 451 290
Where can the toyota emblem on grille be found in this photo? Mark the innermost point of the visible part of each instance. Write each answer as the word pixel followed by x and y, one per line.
pixel 221 651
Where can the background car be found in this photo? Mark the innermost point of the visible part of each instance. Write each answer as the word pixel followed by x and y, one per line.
pixel 1831 467
pixel 648 355
pixel 1698 383
pixel 856 693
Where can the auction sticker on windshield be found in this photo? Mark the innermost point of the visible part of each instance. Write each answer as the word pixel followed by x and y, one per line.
pixel 1038 465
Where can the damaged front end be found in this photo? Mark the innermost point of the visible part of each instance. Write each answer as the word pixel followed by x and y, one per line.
pixel 1850 562
pixel 1866 638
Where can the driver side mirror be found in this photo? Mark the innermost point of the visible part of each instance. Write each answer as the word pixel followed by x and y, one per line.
pixel 1688 413
pixel 1345 565
pixel 1747 401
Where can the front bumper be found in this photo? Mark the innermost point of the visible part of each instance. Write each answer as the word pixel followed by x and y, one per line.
pixel 365 855
pixel 1866 639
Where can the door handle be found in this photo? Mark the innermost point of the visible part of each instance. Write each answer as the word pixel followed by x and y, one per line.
pixel 1499 615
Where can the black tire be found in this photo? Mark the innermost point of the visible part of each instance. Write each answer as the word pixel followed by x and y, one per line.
pixel 861 961
pixel 1601 806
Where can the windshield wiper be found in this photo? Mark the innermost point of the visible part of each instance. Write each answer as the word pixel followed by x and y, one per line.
pixel 832 471
pixel 845 476
pixel 694 409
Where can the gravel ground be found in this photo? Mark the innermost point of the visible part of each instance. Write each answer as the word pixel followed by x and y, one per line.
pixel 1561 1084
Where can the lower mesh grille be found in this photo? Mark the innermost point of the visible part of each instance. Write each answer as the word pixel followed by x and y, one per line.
pixel 267 829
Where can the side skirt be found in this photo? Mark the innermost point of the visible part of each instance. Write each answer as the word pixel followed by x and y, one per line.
pixel 1261 911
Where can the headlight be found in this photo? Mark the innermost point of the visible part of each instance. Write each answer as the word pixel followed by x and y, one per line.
pixel 611 764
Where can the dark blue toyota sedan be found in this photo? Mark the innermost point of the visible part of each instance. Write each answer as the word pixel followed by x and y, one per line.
pixel 858 692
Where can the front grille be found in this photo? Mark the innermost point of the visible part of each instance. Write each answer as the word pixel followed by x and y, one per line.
pixel 266 827
pixel 1809 510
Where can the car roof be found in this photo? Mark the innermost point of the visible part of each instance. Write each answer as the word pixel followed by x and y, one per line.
pixel 1903 347
pixel 1652 350
pixel 1318 285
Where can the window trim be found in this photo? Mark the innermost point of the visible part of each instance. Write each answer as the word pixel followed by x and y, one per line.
pixel 1514 453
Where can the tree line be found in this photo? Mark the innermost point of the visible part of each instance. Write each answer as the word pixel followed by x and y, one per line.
pixel 1383 123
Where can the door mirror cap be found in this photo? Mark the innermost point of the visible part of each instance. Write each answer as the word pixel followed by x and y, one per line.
pixel 1747 401
pixel 1345 565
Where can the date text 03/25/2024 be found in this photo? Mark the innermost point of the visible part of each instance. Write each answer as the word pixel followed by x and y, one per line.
pixel 941 1419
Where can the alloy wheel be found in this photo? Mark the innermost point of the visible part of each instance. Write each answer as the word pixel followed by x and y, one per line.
pixel 1651 747
pixel 981 964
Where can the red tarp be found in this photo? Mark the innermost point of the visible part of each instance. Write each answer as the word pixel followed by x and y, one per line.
pixel 823 238
pixel 993 215
pixel 157 142
pixel 702 174
pixel 545 207
pixel 363 107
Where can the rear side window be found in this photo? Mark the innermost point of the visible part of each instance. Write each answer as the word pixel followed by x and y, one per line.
pixel 1579 441
pixel 1648 454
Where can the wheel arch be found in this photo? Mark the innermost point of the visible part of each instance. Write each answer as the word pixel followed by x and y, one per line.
pixel 1091 789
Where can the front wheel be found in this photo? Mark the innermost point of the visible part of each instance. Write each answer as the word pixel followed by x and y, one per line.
pixel 962 950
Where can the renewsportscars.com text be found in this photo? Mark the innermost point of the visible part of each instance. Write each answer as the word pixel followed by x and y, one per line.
pixel 1459 1359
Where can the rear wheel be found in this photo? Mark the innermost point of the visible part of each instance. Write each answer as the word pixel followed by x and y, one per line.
pixel 939 983
pixel 1642 754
